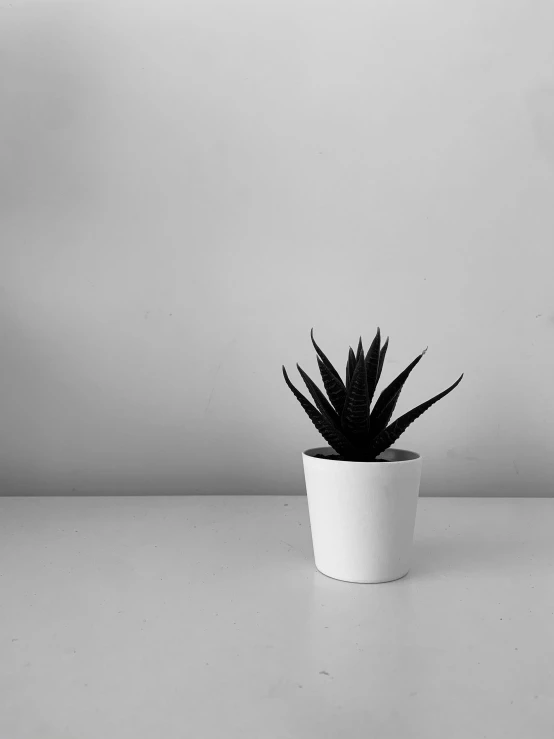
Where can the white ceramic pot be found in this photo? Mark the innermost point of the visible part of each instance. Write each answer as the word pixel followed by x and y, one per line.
pixel 362 514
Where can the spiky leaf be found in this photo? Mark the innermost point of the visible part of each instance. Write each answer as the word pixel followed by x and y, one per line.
pixel 390 395
pixel 372 365
pixel 326 361
pixel 334 387
pixel 382 355
pixel 332 436
pixel 389 435
pixel 355 415
pixel 360 349
pixel 350 367
pixel 381 422
pixel 322 404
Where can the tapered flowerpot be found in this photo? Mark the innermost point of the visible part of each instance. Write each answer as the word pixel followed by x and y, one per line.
pixel 362 514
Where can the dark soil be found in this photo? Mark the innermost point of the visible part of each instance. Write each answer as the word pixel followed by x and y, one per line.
pixel 341 459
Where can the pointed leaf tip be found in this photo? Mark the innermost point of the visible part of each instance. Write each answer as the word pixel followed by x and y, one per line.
pixel 384 407
pixel 372 364
pixel 333 436
pixel 391 433
pixel 329 367
pixel 334 386
pixel 321 402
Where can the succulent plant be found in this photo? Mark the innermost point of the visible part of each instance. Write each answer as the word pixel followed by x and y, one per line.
pixel 346 420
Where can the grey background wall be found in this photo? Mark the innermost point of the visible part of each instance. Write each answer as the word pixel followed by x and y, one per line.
pixel 188 187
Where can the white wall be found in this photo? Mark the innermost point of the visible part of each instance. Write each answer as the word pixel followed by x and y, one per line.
pixel 188 187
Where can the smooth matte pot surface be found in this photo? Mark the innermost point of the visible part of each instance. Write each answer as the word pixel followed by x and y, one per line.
pixel 362 514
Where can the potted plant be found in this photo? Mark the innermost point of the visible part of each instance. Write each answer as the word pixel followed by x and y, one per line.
pixel 362 500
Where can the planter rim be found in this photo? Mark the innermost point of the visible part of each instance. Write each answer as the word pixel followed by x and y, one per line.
pixel 411 456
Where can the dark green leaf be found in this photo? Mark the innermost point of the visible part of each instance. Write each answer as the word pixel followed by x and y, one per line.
pixel 372 365
pixel 334 387
pixel 322 404
pixel 355 414
pixel 360 349
pixel 381 421
pixel 326 362
pixel 390 395
pixel 332 436
pixel 382 355
pixel 350 366
pixel 389 435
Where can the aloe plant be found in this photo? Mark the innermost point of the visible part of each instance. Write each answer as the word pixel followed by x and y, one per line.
pixel 355 427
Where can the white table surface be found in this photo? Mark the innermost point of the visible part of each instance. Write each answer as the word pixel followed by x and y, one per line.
pixel 203 617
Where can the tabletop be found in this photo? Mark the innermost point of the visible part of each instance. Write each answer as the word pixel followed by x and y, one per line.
pixel 204 617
